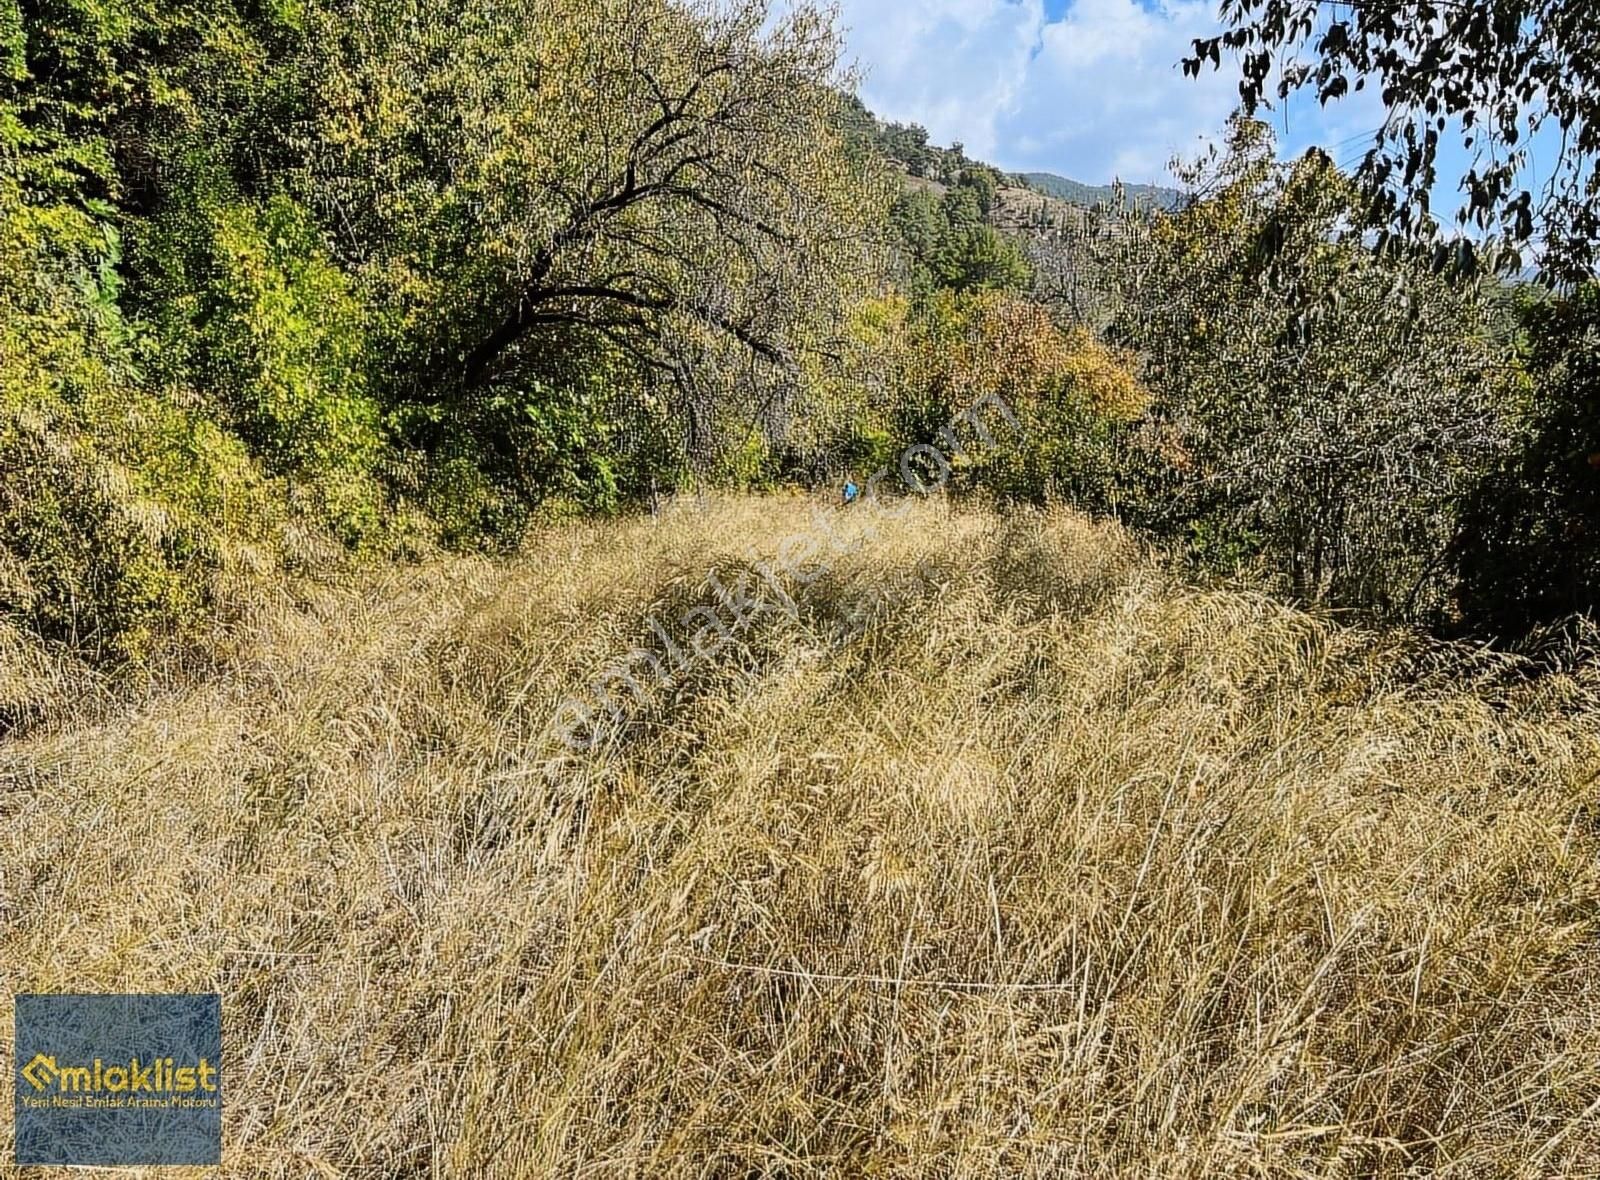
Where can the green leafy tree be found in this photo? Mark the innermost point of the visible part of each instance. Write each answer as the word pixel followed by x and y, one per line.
pixel 118 498
pixel 1335 446
pixel 949 245
pixel 638 171
pixel 981 258
pixel 984 184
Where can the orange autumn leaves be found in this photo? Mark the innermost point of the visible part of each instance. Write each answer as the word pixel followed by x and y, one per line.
pixel 959 347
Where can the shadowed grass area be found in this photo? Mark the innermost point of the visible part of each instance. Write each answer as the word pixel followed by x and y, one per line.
pixel 1045 866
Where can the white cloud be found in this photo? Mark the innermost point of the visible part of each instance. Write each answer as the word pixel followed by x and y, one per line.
pixel 955 66
pixel 1106 93
pixel 1095 93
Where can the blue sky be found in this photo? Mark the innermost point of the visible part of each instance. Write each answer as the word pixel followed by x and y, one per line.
pixel 1090 89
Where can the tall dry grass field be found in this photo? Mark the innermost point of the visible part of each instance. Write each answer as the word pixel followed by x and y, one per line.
pixel 1047 866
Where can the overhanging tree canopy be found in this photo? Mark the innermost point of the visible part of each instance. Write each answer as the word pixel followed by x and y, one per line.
pixel 1494 72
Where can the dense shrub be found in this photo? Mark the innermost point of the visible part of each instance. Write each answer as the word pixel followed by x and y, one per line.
pixel 1527 551
pixel 118 504
pixel 1326 406
pixel 283 346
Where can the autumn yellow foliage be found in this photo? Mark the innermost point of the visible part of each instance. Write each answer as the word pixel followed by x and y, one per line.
pixel 997 343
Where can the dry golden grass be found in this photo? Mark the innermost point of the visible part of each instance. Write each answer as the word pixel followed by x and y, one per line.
pixel 1059 869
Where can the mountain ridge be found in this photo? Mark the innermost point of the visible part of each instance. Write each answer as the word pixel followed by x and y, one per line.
pixel 907 145
pixel 1077 192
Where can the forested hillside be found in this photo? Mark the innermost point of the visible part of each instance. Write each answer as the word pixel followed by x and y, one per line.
pixel 296 286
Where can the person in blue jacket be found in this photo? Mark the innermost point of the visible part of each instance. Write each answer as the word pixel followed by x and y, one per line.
pixel 851 492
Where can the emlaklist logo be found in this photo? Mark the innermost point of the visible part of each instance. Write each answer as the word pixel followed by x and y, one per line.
pixel 161 1076
pixel 125 1079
